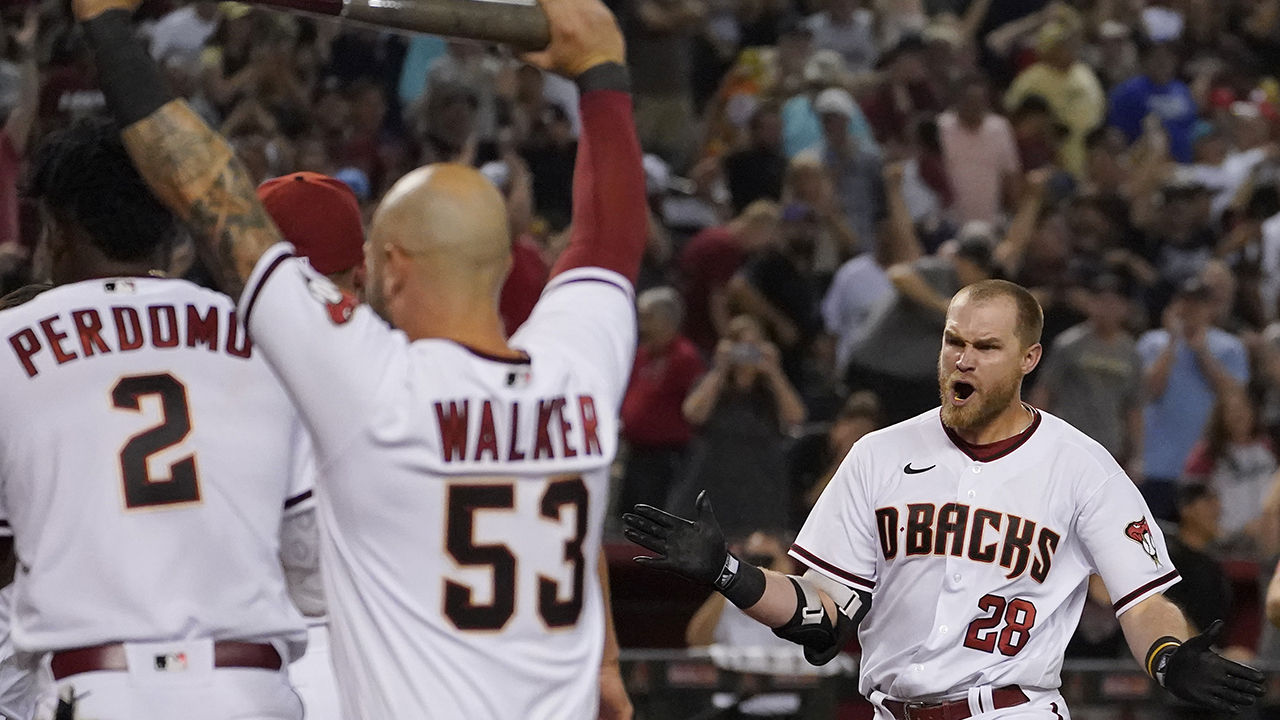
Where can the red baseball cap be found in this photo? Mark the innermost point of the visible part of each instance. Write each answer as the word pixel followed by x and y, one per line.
pixel 320 216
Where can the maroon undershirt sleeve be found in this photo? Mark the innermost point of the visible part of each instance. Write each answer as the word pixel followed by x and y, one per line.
pixel 610 210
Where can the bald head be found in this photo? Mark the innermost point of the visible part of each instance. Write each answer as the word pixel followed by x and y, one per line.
pixel 447 210
pixel 440 237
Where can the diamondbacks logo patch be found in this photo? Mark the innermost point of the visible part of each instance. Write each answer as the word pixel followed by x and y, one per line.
pixel 337 303
pixel 1139 532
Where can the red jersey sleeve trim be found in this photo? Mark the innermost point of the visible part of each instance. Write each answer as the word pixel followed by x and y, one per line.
pixel 818 563
pixel 1143 591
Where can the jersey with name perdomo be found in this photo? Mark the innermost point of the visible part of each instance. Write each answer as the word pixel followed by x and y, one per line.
pixel 460 496
pixel 146 453
pixel 979 570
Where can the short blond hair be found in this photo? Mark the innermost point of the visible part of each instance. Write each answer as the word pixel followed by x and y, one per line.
pixel 1029 324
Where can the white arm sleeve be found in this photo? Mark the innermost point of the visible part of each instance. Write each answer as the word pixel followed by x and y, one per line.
pixel 337 361
pixel 839 539
pixel 1126 546
pixel 589 314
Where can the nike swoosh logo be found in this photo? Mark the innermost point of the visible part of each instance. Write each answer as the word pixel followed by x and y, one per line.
pixel 916 471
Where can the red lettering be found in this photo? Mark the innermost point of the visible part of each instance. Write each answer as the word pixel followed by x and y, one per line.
pixel 565 427
pixel 163 339
pixel 488 440
pixel 453 430
pixel 590 441
pixel 202 330
pixel 89 328
pixel 128 328
pixel 233 331
pixel 55 338
pixel 25 346
pixel 514 453
pixel 542 445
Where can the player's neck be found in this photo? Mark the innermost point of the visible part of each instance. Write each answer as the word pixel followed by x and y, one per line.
pixel 482 333
pixel 1013 420
pixel 82 261
pixel 106 270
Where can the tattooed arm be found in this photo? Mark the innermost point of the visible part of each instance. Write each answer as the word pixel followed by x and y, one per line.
pixel 194 171
pixel 188 166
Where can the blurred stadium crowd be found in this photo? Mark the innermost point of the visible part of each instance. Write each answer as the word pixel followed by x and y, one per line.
pixel 823 176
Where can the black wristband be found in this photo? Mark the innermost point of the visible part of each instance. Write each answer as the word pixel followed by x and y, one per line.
pixel 605 76
pixel 1158 655
pixel 741 583
pixel 130 78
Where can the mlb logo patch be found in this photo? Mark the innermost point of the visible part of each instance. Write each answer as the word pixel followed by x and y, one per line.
pixel 171 662
pixel 120 285
pixel 519 378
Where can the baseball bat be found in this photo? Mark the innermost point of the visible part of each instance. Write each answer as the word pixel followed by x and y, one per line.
pixel 524 27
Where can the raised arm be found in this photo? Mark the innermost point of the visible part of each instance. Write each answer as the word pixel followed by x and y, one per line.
pixel 188 166
pixel 610 210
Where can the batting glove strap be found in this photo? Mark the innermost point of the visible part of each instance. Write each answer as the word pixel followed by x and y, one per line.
pixel 741 583
pixel 1157 663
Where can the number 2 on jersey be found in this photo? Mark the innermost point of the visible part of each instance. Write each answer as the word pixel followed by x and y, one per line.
pixel 1018 616
pixel 140 489
pixel 464 501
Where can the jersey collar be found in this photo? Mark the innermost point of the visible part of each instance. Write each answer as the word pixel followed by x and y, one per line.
pixel 994 451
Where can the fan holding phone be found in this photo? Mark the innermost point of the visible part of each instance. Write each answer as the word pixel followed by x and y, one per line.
pixel 743 407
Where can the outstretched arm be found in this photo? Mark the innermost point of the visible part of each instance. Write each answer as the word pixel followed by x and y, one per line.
pixel 813 611
pixel 186 163
pixel 1160 638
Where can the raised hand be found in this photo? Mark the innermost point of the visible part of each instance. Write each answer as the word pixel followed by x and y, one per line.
pixel 1195 673
pixel 583 34
pixel 695 550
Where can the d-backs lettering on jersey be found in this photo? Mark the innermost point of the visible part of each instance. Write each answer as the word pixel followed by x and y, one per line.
pixel 462 495
pixel 146 458
pixel 979 570
pixel 933 530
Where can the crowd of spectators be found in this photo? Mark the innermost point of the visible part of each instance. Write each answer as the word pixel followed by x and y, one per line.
pixel 823 176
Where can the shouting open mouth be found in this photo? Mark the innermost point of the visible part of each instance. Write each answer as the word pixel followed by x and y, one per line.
pixel 961 391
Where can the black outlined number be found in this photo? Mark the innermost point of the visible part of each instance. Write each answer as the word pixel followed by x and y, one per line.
pixel 560 493
pixel 1018 615
pixel 463 502
pixel 140 489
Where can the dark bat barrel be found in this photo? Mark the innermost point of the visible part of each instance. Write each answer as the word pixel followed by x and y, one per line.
pixel 523 27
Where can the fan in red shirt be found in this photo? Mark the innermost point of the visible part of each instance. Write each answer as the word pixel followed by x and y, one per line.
pixel 666 368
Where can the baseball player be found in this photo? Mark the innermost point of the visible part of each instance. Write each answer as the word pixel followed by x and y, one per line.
pixel 146 455
pixel 320 216
pixel 958 546
pixel 463 475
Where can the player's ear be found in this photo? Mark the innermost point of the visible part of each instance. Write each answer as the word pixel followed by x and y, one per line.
pixel 397 265
pixel 1031 358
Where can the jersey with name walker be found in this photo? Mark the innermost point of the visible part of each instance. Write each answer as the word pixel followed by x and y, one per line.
pixel 461 496
pixel 979 570
pixel 146 455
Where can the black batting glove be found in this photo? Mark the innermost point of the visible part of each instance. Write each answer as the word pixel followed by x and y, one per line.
pixel 694 550
pixel 1195 673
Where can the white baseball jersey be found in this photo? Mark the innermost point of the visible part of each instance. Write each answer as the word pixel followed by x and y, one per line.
pixel 146 453
pixel 979 570
pixel 461 496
